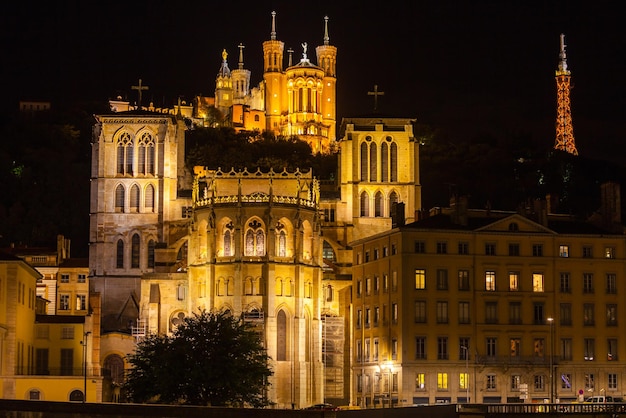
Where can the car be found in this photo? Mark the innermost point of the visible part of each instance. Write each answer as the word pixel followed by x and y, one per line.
pixel 322 407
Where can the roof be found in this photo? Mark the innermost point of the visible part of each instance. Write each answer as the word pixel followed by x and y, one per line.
pixel 556 223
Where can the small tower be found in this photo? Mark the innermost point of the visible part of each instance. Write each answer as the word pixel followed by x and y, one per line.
pixel 274 78
pixel 241 79
pixel 564 128
pixel 224 86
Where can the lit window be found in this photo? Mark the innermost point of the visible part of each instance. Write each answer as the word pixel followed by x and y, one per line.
pixel 538 282
pixel 442 381
pixel 420 279
pixel 514 281
pixel 563 250
pixel 609 252
pixel 490 280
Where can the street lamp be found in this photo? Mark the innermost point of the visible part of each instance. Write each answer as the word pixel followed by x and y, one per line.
pixel 84 343
pixel 467 396
pixel 551 343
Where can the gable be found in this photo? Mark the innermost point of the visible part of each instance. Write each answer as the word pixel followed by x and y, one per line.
pixel 516 224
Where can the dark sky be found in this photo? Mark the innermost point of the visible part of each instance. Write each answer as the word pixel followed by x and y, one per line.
pixel 468 68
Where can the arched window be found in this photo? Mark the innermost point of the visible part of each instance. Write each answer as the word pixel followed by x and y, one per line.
pixel 289 287
pixel 378 204
pixel 373 163
pixel 114 368
pixel 364 162
pixel 282 244
pixel 134 250
pixel 76 396
pixel 281 336
pixel 145 159
pixel 228 246
pixel 125 154
pixel 393 199
pixel 119 256
pixel 119 198
pixel 134 198
pixel 278 287
pixel 255 239
pixel 365 204
pixel 150 257
pixel 219 288
pixel 248 286
pixel 384 162
pixel 393 163
pixel 149 198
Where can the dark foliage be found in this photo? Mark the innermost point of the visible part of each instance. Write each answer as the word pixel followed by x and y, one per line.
pixel 211 359
pixel 226 149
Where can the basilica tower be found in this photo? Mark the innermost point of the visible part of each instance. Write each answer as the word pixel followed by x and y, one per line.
pixel 274 79
pixel 327 60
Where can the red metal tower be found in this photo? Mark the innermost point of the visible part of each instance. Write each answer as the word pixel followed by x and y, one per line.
pixel 564 128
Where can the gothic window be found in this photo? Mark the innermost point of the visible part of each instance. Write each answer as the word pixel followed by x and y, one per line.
pixel 364 204
pixel 134 198
pixel 149 198
pixel 145 159
pixel 125 154
pixel 255 239
pixel 119 258
pixel 227 235
pixel 227 243
pixel 378 204
pixel 134 257
pixel 364 162
pixel 373 161
pixel 384 162
pixel 119 198
pixel 282 244
pixel 150 257
pixel 393 199
pixel 281 336
pixel 114 368
pixel 230 286
pixel 393 163
pixel 278 287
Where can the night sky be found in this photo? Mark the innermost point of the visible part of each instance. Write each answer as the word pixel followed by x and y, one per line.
pixel 465 68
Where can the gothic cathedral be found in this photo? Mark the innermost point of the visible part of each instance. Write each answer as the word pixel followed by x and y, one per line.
pixel 273 247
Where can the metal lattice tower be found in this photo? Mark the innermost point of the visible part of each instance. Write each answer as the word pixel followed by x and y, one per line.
pixel 564 128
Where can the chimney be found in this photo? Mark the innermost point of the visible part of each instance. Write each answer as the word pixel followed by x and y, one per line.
pixel 611 205
pixel 459 210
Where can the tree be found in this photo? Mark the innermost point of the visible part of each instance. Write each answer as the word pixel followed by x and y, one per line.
pixel 211 359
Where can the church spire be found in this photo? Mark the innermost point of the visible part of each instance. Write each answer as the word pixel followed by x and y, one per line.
pixel 273 33
pixel 241 47
pixel 326 37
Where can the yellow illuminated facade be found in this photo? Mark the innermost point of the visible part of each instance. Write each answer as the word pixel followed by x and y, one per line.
pixel 476 306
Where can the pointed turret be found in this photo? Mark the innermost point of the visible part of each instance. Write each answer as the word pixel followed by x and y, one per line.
pixel 327 60
pixel 224 86
pixel 241 79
